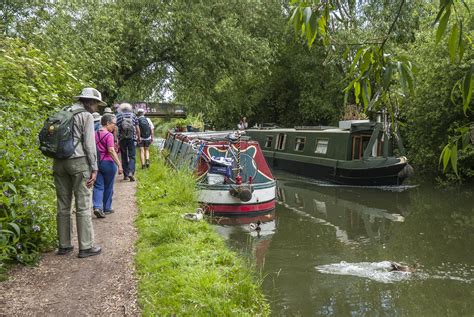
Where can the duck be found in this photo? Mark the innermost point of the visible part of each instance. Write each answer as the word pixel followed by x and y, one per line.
pixel 255 226
pixel 197 216
pixel 394 266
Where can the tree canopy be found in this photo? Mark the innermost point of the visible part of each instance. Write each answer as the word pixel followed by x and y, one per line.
pixel 228 59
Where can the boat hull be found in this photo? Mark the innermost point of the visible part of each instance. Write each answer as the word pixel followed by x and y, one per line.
pixel 377 175
pixel 218 200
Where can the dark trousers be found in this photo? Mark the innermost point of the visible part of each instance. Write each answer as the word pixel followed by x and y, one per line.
pixel 127 150
pixel 104 185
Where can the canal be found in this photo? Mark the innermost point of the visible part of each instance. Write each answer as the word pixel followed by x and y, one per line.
pixel 325 250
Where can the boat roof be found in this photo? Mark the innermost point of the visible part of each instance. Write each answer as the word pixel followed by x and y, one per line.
pixel 354 127
pixel 213 136
pixel 305 129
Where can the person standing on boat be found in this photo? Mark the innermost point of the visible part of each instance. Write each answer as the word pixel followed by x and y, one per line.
pixel 129 134
pixel 243 124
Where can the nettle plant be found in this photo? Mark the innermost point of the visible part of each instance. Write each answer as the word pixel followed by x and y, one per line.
pixel 33 85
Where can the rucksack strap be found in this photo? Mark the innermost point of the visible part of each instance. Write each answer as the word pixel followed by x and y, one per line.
pixel 100 141
pixel 74 112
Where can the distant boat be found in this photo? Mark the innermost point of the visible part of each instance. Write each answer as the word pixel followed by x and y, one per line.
pixel 233 176
pixel 356 153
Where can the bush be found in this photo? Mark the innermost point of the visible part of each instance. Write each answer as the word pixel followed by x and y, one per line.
pixel 33 86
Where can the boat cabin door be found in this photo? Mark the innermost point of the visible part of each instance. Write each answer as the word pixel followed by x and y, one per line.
pixel 360 143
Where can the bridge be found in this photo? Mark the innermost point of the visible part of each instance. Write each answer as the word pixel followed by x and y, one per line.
pixel 161 109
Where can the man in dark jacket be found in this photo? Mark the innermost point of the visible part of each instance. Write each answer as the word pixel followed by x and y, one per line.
pixel 129 136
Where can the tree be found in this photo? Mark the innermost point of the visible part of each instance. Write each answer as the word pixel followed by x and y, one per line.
pixel 372 70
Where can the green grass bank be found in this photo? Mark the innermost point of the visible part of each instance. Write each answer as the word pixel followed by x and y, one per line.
pixel 184 268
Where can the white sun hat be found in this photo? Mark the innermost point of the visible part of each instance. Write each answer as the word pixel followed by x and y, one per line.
pixel 91 93
pixel 96 116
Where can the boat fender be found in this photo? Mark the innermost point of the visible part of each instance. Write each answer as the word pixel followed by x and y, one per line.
pixel 243 192
pixel 407 171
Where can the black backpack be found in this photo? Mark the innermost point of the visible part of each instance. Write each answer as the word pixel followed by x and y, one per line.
pixel 57 135
pixel 145 129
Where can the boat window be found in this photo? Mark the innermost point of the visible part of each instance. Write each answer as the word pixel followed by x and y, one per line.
pixel 321 146
pixel 299 144
pixel 268 142
pixel 281 140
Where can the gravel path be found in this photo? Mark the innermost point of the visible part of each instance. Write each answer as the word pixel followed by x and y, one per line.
pixel 98 285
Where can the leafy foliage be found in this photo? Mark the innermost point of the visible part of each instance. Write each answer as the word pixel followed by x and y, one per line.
pixel 372 71
pixel 430 116
pixel 33 85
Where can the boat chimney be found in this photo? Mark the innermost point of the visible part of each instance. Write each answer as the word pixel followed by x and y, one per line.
pixel 379 116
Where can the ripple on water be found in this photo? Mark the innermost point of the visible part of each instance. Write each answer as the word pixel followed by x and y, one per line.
pixel 380 272
pixel 377 271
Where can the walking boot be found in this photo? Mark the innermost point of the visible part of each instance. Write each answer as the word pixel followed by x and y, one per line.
pixel 64 251
pixel 108 211
pixel 89 252
pixel 99 213
pixel 132 179
pixel 147 163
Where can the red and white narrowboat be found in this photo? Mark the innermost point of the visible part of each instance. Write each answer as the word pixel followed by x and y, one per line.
pixel 233 176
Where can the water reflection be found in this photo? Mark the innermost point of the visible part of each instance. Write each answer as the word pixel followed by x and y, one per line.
pixel 319 231
pixel 243 235
pixel 354 219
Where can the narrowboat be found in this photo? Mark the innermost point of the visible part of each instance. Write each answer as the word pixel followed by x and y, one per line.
pixel 233 177
pixel 355 153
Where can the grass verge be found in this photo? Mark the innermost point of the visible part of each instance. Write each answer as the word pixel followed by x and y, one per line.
pixel 185 268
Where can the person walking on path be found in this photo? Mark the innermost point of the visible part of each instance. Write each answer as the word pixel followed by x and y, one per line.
pixel 108 163
pixel 96 117
pixel 115 132
pixel 129 133
pixel 76 175
pixel 146 137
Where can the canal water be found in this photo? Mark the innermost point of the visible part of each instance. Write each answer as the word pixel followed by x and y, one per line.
pixel 327 250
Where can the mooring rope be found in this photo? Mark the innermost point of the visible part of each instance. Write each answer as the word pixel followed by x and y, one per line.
pixel 238 153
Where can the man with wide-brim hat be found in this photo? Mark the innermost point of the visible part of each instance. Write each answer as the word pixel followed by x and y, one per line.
pixel 91 94
pixel 108 110
pixel 76 175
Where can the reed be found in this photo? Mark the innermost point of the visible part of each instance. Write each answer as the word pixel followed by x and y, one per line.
pixel 184 268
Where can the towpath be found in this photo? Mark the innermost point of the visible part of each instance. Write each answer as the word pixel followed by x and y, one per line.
pixel 98 285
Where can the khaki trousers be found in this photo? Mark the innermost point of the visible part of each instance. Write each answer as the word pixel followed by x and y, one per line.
pixel 70 177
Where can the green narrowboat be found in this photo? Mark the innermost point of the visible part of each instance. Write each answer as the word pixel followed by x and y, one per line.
pixel 356 153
